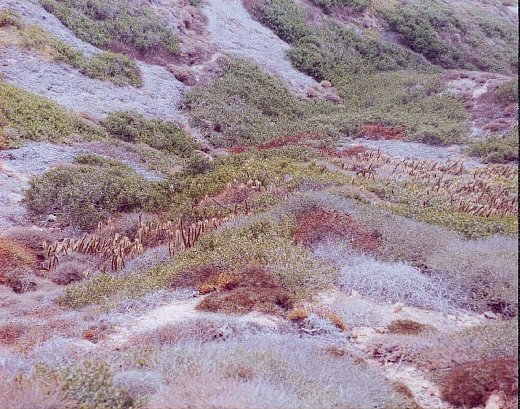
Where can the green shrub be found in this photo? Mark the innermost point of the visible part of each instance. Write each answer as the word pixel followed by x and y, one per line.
pixel 334 50
pixel 90 191
pixel 163 135
pixel 508 91
pixel 246 106
pixel 356 5
pixel 90 386
pixel 27 116
pixel 286 19
pixel 117 68
pixel 497 148
pixel 105 24
pixel 9 18
pixel 455 36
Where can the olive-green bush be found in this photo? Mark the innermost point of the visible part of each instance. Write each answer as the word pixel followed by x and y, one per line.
pixel 90 191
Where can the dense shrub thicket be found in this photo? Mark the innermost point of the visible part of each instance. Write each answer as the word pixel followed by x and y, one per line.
pixel 90 191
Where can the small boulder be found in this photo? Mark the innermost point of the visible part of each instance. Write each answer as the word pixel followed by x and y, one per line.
pixel 326 84
pixel 490 315
pixel 495 401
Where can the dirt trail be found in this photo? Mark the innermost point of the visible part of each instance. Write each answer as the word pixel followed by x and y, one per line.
pixel 179 311
pixel 159 96
pixel 234 31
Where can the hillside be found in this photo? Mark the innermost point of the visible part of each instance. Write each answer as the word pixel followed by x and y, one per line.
pixel 261 204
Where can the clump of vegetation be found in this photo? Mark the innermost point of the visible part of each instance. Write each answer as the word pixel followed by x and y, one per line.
pixel 90 191
pixel 89 386
pixel 453 36
pixel 317 225
pixel 106 66
pixel 356 5
pixel 116 26
pixel 508 91
pixel 407 327
pixel 162 135
pixel 334 51
pixel 27 116
pixel 497 148
pixel 15 262
pixel 254 289
pixel 246 106
pixel 9 18
pixel 471 384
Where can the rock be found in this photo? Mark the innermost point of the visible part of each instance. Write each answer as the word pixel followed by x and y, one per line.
pixel 490 315
pixel 51 218
pixel 398 306
pixel 312 93
pixel 495 401
pixel 326 84
pixel 333 97
pixel 451 317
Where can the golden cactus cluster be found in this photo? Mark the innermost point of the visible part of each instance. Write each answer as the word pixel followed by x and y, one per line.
pixel 484 191
pixel 115 248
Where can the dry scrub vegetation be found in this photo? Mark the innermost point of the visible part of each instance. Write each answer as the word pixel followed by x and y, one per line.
pixel 265 262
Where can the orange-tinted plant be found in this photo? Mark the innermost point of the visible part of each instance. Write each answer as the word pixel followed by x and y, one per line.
pixel 13 257
pixel 317 225
pixel 472 383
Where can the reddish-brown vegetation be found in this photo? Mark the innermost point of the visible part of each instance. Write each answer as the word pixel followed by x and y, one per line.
pixel 471 384
pixel 407 327
pixel 317 225
pixel 253 289
pixel 381 132
pixel 309 140
pixel 15 263
pixel 10 333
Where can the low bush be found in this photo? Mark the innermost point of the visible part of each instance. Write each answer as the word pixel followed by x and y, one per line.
pixel 249 290
pixel 32 394
pixel 408 327
pixel 27 116
pixel 271 371
pixel 116 26
pixel 11 332
pixel 472 383
pixel 356 5
pixel 485 270
pixel 286 19
pixel 108 66
pixel 455 37
pixel 68 273
pixel 487 341
pixel 84 194
pixel 15 261
pixel 162 135
pixel 246 106
pixel 91 386
pixel 319 225
pixel 508 92
pixel 496 149
pixel 9 18
pixel 395 282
